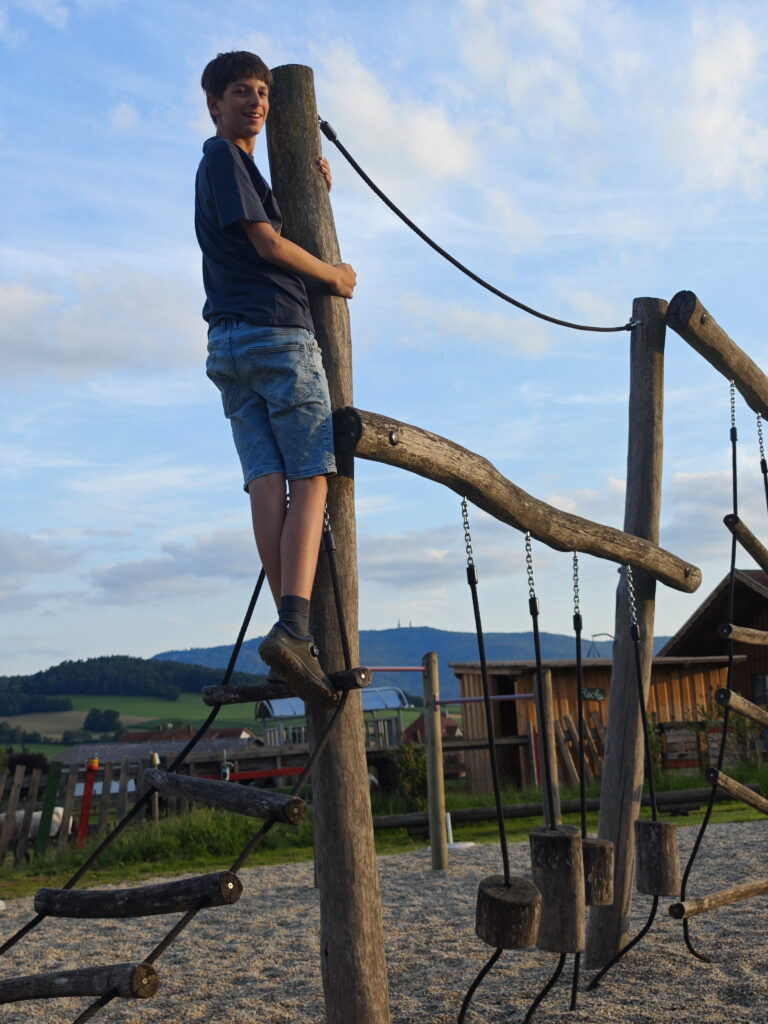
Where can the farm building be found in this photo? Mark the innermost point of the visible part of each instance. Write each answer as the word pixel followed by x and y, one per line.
pixel 750 608
pixel 680 688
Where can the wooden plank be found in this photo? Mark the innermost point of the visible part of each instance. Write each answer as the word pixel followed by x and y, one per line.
pixel 229 796
pixel 6 832
pixel 565 756
pixel 737 790
pixel 729 698
pixel 429 455
pixel 748 540
pixel 214 890
pixel 351 933
pixel 688 317
pixel 690 908
pixel 743 634
pixel 122 794
pixel 131 981
pixel 106 799
pixel 574 736
pixel 623 766
pixel 24 837
pixel 68 808
pixel 49 802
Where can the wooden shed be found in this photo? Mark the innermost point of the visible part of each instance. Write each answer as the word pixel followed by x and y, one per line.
pixel 750 608
pixel 680 688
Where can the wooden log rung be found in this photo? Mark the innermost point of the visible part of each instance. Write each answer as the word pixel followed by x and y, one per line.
pixel 214 890
pixel 690 908
pixel 729 698
pixel 736 789
pixel 743 634
pixel 229 796
pixel 130 981
pixel 748 540
pixel 243 693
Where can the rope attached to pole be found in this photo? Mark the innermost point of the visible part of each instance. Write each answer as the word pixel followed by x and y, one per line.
pixel 331 135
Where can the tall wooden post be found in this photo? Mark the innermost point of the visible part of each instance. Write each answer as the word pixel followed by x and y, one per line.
pixel 351 935
pixel 433 745
pixel 623 770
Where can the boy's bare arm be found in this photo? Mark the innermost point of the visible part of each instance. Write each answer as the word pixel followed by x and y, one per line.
pixel 340 279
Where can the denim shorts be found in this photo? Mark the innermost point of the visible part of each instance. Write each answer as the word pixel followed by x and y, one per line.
pixel 275 395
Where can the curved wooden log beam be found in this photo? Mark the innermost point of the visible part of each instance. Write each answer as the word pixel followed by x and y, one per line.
pixel 698 327
pixel 380 439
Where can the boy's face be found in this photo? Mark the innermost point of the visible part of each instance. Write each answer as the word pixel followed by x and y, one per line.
pixel 241 112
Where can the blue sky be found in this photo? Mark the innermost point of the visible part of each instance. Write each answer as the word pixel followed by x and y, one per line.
pixel 577 153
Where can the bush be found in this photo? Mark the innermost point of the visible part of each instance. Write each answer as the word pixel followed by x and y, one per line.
pixel 101 721
pixel 412 776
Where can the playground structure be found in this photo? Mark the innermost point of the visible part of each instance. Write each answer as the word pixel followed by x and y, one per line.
pixel 352 961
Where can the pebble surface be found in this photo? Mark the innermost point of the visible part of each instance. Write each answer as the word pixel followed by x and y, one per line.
pixel 257 962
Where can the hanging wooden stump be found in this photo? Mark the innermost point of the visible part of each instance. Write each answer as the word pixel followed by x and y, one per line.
pixel 657 861
pixel 557 866
pixel 507 916
pixel 598 871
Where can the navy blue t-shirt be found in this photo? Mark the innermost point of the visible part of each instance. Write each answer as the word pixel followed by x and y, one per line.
pixel 239 284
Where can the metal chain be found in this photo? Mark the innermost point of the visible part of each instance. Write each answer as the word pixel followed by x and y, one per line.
pixel 467 534
pixel 576 607
pixel 733 403
pixel 760 436
pixel 631 594
pixel 529 565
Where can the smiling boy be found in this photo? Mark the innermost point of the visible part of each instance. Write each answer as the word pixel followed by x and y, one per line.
pixel 262 354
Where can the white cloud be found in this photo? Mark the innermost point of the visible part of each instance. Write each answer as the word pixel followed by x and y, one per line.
pixel 123 117
pixel 719 134
pixel 121 319
pixel 402 143
pixel 441 319
pixel 54 13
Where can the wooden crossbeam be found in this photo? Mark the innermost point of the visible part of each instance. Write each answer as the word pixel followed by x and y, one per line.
pixel 748 540
pixel 690 908
pixel 736 790
pixel 380 439
pixel 733 700
pixel 743 634
pixel 230 796
pixel 214 890
pixel 243 693
pixel 695 324
pixel 131 981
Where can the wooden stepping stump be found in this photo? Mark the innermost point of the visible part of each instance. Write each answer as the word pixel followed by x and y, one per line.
pixel 508 916
pixel 657 861
pixel 229 796
pixel 557 867
pixel 598 871
pixel 214 890
pixel 131 981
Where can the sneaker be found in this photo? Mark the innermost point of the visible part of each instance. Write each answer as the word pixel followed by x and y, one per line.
pixel 297 661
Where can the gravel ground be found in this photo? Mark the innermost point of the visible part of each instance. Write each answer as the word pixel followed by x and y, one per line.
pixel 257 962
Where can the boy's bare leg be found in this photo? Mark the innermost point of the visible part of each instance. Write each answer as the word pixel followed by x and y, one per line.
pixel 302 530
pixel 268 511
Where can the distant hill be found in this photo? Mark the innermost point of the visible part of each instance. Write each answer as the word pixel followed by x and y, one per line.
pixel 406 646
pixel 113 674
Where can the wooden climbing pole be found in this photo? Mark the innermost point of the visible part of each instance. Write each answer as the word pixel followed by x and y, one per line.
pixel 351 939
pixel 623 771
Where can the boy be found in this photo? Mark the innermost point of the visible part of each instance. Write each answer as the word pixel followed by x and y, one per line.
pixel 263 357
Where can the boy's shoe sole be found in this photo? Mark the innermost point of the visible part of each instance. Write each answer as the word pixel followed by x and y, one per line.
pixel 296 662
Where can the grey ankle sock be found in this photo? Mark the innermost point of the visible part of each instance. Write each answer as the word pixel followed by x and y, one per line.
pixel 294 614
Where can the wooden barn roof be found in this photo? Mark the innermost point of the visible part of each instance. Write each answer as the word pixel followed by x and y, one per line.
pixel 700 634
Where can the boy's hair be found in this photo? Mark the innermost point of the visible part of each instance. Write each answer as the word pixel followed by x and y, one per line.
pixel 229 67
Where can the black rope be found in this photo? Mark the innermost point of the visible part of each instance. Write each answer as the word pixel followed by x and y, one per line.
pixel 146 796
pixel 729 680
pixel 577 629
pixel 546 752
pixel 633 942
pixel 550 985
pixel 763 462
pixel 475 984
pixel 331 135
